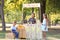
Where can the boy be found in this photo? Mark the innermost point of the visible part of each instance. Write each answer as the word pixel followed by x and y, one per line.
pixel 32 19
pixel 14 30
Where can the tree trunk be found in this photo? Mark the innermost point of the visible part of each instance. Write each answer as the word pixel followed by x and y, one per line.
pixel 43 8
pixel 32 10
pixel 2 15
pixel 24 16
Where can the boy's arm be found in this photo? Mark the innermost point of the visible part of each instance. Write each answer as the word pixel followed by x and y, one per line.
pixel 17 28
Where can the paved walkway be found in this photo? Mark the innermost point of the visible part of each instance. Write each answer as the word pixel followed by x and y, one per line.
pixel 52 38
pixel 48 38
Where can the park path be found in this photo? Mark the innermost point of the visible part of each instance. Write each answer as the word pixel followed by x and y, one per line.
pixel 48 38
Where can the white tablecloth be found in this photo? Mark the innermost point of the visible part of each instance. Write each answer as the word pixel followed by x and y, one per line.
pixel 33 31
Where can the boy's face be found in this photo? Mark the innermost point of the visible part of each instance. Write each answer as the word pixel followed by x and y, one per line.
pixel 33 15
pixel 14 23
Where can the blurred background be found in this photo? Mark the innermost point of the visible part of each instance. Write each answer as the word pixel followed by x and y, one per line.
pixel 11 10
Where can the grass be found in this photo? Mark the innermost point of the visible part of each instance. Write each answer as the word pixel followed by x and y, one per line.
pixel 54 34
pixel 51 34
pixel 2 35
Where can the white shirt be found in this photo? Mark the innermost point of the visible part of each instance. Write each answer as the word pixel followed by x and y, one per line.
pixel 13 27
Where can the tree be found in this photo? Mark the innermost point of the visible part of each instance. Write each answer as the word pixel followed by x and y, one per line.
pixel 43 8
pixel 13 10
pixel 52 7
pixel 2 15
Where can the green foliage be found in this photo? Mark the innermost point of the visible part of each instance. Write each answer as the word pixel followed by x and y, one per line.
pixel 52 6
pixel 54 18
pixel 53 10
pixel 0 2
pixel 13 9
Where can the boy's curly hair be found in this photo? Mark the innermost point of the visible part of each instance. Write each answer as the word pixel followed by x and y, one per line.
pixel 15 21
